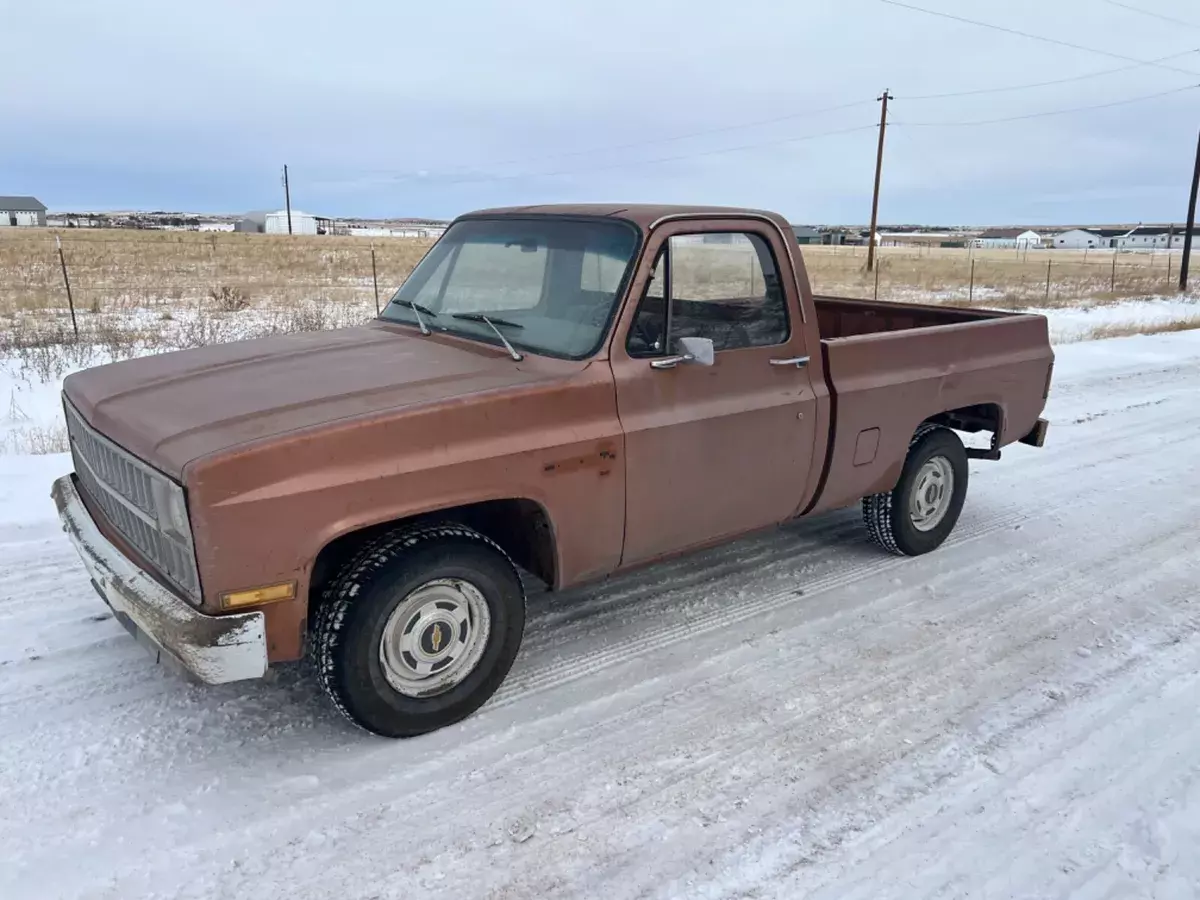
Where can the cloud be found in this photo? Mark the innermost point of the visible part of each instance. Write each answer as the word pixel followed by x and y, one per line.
pixel 400 109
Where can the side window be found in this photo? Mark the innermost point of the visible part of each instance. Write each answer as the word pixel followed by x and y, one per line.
pixel 649 324
pixel 724 286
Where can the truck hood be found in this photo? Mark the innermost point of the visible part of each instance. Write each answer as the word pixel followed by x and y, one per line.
pixel 176 407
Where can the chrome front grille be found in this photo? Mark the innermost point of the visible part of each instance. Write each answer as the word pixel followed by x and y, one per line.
pixel 124 489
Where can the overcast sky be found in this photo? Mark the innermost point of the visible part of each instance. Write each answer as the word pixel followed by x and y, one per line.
pixel 386 108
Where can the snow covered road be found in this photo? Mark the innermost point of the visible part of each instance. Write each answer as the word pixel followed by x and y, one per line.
pixel 794 715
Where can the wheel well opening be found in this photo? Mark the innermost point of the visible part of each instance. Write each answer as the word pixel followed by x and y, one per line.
pixel 973 419
pixel 521 528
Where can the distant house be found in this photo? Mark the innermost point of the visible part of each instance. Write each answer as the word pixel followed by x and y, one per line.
pixel 720 237
pixel 254 222
pixel 912 238
pixel 839 236
pixel 999 238
pixel 22 212
pixel 1077 239
pixel 806 234
pixel 1089 238
pixel 1154 237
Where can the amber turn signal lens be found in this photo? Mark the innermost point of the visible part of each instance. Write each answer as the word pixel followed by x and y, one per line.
pixel 272 593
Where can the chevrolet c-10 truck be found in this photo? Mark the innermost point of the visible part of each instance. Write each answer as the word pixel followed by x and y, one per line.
pixel 565 390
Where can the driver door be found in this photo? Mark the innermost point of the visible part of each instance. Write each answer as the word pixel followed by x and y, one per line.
pixel 712 451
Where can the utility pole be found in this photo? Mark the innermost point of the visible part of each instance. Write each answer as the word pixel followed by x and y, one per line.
pixel 1191 224
pixel 287 198
pixel 878 173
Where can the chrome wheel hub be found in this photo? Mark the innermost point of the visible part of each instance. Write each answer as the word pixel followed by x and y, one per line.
pixel 931 493
pixel 435 637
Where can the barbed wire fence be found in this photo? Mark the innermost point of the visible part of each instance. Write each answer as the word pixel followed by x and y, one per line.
pixel 222 273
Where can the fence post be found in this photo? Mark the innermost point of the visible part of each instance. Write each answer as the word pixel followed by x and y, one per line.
pixel 375 279
pixel 216 263
pixel 877 280
pixel 1112 283
pixel 1049 263
pixel 971 291
pixel 62 261
pixel 1168 266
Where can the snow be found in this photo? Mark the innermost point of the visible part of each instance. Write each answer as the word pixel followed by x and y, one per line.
pixel 793 715
pixel 1077 323
pixel 31 417
pixel 25 488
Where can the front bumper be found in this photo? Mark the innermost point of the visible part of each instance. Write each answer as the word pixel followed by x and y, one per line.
pixel 211 649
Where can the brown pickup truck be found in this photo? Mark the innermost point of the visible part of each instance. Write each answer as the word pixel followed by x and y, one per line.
pixel 567 390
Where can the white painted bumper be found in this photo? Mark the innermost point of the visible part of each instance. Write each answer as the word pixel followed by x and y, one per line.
pixel 212 649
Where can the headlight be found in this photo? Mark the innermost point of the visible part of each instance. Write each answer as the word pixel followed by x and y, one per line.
pixel 171 509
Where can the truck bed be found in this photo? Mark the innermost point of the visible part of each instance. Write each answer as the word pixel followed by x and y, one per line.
pixel 890 366
pixel 839 317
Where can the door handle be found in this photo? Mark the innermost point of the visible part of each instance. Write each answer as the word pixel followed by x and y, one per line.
pixel 798 361
pixel 670 362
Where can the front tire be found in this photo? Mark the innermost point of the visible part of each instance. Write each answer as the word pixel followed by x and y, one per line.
pixel 419 629
pixel 918 514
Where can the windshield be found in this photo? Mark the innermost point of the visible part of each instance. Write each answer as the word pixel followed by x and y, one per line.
pixel 548 284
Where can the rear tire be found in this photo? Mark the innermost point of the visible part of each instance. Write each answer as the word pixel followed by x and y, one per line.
pixel 918 514
pixel 419 629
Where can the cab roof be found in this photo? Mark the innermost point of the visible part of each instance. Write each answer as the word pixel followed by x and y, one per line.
pixel 644 215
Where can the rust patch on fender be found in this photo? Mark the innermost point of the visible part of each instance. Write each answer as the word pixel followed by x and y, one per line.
pixel 602 459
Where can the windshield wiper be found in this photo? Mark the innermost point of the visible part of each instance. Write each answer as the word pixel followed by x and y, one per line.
pixel 492 323
pixel 417 309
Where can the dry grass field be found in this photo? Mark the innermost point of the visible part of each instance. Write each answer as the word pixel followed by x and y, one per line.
pixel 1000 278
pixel 143 291
pixel 116 269
pixel 122 270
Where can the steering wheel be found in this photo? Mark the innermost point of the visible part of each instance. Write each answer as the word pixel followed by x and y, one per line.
pixel 645 333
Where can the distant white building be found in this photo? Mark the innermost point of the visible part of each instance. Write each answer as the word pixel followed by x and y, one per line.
pixel 263 222
pixel 302 223
pixel 423 231
pixel 1077 239
pixel 1155 237
pixel 22 212
pixel 999 238
pixel 913 238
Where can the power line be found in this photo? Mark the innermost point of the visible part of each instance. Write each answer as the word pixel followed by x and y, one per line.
pixel 1146 12
pixel 662 159
pixel 1134 63
pixel 1040 84
pixel 1035 37
pixel 663 140
pixel 1053 112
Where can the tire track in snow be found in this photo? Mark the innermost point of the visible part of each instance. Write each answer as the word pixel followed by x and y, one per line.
pixel 796 732
pixel 657 636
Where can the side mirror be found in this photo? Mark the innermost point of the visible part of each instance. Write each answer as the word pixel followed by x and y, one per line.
pixel 697 350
